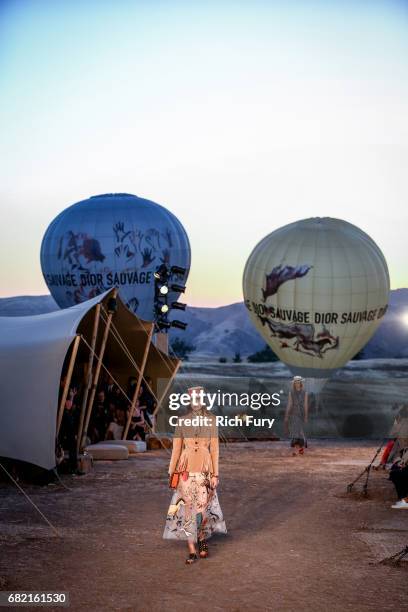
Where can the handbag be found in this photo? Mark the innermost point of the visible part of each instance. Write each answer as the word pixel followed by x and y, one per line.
pixel 174 480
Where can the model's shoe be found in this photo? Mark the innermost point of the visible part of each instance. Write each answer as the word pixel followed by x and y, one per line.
pixel 203 549
pixel 400 505
pixel 192 558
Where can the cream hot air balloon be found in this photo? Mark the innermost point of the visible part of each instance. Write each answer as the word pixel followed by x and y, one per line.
pixel 316 290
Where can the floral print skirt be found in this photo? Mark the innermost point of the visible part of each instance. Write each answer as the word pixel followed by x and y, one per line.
pixel 194 512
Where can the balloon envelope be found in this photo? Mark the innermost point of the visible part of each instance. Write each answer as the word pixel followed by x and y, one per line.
pixel 112 240
pixel 316 290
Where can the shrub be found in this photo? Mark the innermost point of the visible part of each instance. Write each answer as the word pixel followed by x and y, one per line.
pixel 265 355
pixel 182 348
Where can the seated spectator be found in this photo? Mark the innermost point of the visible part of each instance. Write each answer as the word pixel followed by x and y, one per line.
pixel 398 439
pixel 112 405
pixel 137 424
pixel 100 418
pixel 116 427
pixel 119 401
pixel 399 476
pixel 110 388
pixel 386 454
pixel 132 383
pixel 117 398
pixel 399 432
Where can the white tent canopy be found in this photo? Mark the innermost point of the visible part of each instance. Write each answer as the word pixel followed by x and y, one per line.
pixel 32 354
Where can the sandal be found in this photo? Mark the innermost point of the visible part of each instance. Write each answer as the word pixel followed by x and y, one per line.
pixel 203 549
pixel 192 558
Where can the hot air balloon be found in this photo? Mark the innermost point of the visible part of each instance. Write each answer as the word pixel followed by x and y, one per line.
pixel 112 240
pixel 316 290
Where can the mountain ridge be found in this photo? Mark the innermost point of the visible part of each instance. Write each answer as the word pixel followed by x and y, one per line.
pixel 225 330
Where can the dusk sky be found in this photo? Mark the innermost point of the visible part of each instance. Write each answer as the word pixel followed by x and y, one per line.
pixel 240 117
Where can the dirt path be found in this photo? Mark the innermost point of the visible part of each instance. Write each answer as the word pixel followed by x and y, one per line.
pixel 296 540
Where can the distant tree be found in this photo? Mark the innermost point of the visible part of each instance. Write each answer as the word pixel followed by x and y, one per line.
pixel 182 348
pixel 222 360
pixel 237 358
pixel 265 355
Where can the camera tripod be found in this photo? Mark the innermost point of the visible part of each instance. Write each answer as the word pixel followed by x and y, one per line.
pixel 366 471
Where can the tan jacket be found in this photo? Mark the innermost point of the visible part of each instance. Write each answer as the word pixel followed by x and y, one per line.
pixel 195 449
pixel 404 457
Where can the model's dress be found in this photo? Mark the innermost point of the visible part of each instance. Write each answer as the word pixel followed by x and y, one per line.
pixel 194 512
pixel 297 418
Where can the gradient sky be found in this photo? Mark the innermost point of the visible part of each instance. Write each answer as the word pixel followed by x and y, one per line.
pixel 239 117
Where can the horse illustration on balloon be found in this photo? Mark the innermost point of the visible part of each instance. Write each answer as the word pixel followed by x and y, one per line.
pixel 302 334
pixel 304 337
pixel 282 274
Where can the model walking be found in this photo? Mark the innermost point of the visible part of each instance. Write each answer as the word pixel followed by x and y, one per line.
pixel 296 416
pixel 194 513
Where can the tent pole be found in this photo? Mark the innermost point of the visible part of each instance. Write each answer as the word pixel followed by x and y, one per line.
pixel 163 395
pixel 67 382
pixel 89 374
pixel 139 382
pixel 96 375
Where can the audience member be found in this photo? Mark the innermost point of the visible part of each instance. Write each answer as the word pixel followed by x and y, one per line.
pixel 399 476
pixel 100 418
pixel 116 427
pixel 137 424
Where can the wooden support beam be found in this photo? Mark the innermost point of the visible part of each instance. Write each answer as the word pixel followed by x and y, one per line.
pixel 88 374
pixel 67 381
pixel 139 382
pixel 167 387
pixel 162 342
pixel 96 375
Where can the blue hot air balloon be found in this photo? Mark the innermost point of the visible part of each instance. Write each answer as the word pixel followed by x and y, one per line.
pixel 113 240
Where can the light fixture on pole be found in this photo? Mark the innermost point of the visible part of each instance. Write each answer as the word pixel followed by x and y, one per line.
pixel 162 287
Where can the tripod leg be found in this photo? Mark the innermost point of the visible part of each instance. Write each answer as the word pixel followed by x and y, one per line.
pixel 366 469
pixel 369 468
pixel 365 485
pixel 401 555
pixel 351 485
pixel 397 558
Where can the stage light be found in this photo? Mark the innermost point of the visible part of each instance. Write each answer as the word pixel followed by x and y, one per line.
pixel 178 288
pixel 162 305
pixel 163 324
pixel 404 318
pixel 162 272
pixel 178 270
pixel 179 324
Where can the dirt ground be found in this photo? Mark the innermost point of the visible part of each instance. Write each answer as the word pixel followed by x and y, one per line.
pixel 296 540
